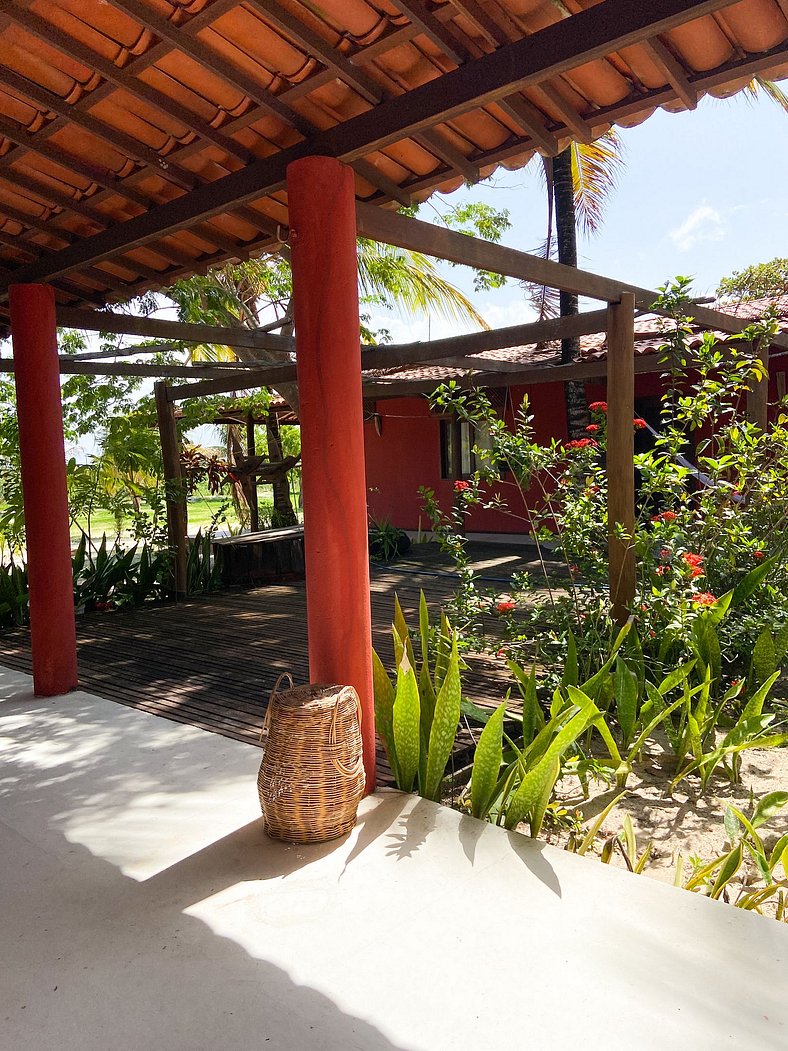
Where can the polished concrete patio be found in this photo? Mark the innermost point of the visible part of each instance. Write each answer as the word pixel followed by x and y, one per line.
pixel 143 907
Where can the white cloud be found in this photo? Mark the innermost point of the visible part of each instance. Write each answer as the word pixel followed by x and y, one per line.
pixel 704 223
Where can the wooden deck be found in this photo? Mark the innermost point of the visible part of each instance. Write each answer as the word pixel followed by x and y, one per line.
pixel 212 661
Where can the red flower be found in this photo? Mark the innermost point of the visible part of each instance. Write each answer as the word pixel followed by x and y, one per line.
pixel 696 572
pixel 692 559
pixel 582 443
pixel 592 428
pixel 460 487
pixel 574 570
pixel 704 598
pixel 665 516
pixel 639 424
pixel 662 570
pixel 598 406
pixel 665 554
pixel 506 606
pixel 502 654
pixel 757 554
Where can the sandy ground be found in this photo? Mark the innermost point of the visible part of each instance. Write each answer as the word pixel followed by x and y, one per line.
pixel 686 823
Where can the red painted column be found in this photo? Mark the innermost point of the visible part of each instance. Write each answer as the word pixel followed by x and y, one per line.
pixel 321 201
pixel 43 458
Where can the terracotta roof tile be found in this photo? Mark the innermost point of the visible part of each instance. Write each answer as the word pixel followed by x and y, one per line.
pixel 198 85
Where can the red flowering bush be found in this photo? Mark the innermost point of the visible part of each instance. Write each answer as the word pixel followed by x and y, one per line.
pixel 692 559
pixel 593 428
pixel 582 443
pixel 704 598
pixel 598 406
pixel 638 424
pixel 506 606
pixel 461 487
pixel 665 516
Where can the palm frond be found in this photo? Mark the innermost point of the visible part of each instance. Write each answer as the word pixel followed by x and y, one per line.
pixel 596 167
pixel 411 281
pixel 759 86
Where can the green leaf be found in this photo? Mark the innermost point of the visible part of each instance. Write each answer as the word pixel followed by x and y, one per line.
pixel 571 670
pixel 487 761
pixel 764 658
pixel 747 585
pixel 424 631
pixel 729 868
pixel 533 716
pixel 444 726
pixel 626 693
pixel 675 678
pixel 407 728
pixel 732 825
pixel 781 642
pixel 540 806
pixel 532 786
pixel 767 807
pixel 384 711
pixel 755 704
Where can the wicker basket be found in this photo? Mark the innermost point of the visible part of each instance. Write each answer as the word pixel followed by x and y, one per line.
pixel 311 778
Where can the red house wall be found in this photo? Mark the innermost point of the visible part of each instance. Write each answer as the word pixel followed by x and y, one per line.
pixel 407 455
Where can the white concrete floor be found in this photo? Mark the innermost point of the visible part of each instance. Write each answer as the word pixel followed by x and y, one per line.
pixel 143 907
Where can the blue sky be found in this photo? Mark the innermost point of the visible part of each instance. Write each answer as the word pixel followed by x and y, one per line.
pixel 703 193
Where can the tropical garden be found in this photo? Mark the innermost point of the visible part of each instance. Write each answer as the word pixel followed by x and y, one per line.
pixel 605 726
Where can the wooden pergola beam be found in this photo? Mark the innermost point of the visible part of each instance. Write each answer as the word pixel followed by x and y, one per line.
pixel 157 328
pixel 442 243
pixel 555 50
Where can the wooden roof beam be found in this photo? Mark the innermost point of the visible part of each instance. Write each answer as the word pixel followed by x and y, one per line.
pixel 673 70
pixel 484 21
pixel 571 118
pixel 530 119
pixel 594 33
pixel 440 34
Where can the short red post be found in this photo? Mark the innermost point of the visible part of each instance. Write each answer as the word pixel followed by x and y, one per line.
pixel 321 201
pixel 43 459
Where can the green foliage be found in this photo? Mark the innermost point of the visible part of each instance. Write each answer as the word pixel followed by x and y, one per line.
pixel 726 877
pixel 418 720
pixel 203 572
pixel 760 281
pixel 712 552
pixel 386 542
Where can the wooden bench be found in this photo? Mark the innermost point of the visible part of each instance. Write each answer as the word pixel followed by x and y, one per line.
pixel 269 556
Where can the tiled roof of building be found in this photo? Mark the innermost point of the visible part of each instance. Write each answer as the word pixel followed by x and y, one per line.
pixel 113 111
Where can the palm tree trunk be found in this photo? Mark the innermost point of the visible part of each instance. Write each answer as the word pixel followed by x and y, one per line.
pixel 577 417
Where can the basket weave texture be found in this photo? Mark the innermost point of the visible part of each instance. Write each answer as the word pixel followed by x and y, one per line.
pixel 311 778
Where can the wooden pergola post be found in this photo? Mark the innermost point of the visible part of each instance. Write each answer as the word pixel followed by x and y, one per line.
pixel 177 523
pixel 758 396
pixel 620 455
pixel 321 202
pixel 44 489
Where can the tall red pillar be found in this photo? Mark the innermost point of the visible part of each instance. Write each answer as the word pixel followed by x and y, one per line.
pixel 321 201
pixel 43 458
